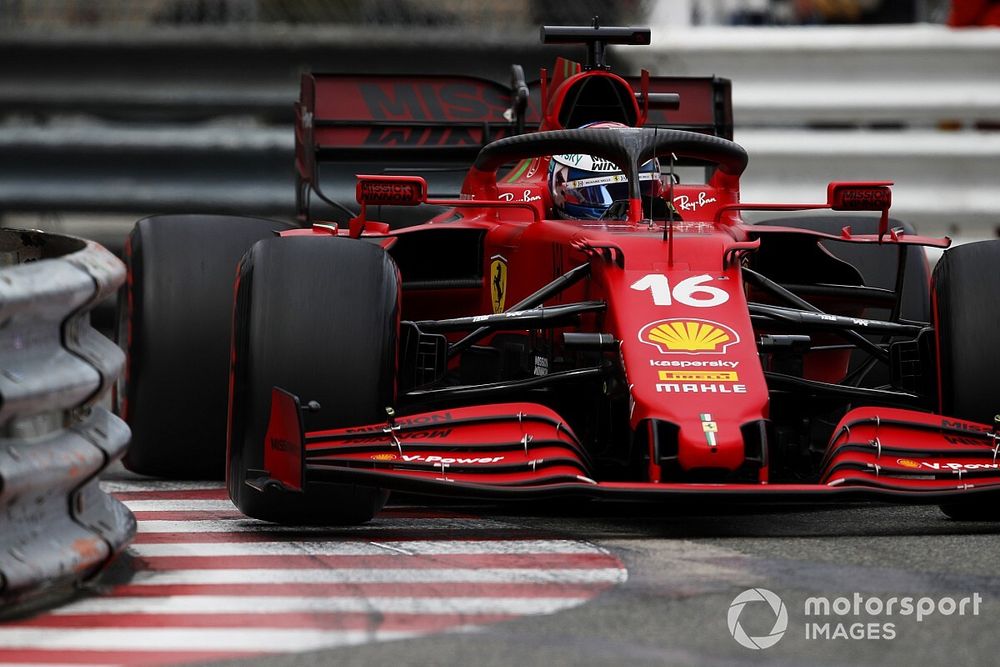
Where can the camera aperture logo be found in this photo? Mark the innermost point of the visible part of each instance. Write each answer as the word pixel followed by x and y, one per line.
pixel 777 608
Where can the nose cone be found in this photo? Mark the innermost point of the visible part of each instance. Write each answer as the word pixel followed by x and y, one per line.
pixel 705 443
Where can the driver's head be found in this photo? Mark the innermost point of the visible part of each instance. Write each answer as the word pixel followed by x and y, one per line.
pixel 585 186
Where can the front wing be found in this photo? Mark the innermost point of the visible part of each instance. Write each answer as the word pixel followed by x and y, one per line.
pixel 511 451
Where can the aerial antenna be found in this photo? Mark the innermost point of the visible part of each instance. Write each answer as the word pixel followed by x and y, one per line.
pixel 671 212
pixel 639 176
pixel 595 48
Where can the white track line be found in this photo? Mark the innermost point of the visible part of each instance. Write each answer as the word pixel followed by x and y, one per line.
pixel 243 525
pixel 248 604
pixel 112 486
pixel 180 505
pixel 330 548
pixel 188 639
pixel 383 576
pixel 219 504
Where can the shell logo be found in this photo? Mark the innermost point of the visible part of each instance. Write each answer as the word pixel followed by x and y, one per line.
pixel 908 463
pixel 688 336
pixel 384 457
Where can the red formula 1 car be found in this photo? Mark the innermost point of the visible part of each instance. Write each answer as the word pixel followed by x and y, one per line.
pixel 589 316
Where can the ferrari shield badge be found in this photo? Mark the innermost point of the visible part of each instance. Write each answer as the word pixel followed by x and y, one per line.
pixel 710 427
pixel 498 282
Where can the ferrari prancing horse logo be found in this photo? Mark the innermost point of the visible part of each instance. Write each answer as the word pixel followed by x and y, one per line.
pixel 498 282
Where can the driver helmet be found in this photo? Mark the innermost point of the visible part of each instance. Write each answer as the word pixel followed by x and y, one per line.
pixel 585 186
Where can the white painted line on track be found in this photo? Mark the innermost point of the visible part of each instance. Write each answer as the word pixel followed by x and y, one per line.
pixel 340 548
pixel 122 486
pixel 248 604
pixel 610 575
pixel 391 548
pixel 182 505
pixel 177 505
pixel 189 639
pixel 244 525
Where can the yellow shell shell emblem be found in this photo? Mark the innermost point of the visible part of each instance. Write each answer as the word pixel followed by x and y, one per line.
pixel 908 463
pixel 384 457
pixel 688 336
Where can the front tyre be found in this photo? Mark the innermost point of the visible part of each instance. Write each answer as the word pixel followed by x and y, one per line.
pixel 966 296
pixel 318 317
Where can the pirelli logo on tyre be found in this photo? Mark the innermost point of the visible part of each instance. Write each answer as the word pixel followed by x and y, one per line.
pixel 699 376
pixel 688 336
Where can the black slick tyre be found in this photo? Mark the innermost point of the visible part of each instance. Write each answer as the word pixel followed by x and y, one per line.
pixel 317 317
pixel 966 295
pixel 967 318
pixel 175 320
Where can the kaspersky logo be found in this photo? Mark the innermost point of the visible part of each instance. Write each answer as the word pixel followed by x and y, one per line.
pixel 688 336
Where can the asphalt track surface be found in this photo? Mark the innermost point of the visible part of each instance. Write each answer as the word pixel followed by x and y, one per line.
pixel 581 584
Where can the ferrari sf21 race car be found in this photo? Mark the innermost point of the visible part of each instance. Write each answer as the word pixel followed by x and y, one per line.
pixel 588 315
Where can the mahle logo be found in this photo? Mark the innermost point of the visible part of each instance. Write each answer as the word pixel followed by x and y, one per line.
pixel 776 607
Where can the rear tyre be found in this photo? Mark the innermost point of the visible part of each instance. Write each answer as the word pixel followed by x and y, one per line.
pixel 175 320
pixel 318 317
pixel 967 318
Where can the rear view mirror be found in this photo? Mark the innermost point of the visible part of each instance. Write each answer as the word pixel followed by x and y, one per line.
pixel 862 196
pixel 874 196
pixel 391 190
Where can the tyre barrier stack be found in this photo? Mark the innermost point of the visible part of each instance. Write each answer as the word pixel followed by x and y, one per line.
pixel 57 528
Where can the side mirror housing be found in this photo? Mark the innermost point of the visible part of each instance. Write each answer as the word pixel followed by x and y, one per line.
pixel 862 196
pixel 391 190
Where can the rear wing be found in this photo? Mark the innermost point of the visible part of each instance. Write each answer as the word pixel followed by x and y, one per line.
pixel 705 104
pixel 391 124
pixel 421 124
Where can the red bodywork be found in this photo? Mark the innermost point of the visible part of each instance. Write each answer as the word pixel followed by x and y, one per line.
pixel 677 304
